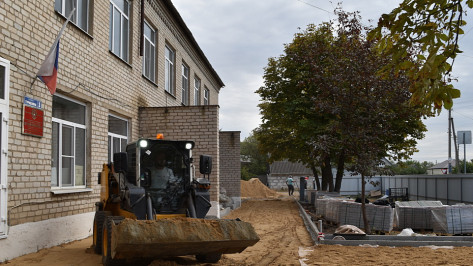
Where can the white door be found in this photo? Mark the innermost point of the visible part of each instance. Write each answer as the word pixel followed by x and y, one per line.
pixel 4 88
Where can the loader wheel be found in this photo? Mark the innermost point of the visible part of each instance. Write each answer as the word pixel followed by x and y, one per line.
pixel 107 240
pixel 98 227
pixel 208 258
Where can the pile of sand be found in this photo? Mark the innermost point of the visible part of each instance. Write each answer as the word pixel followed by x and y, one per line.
pixel 180 236
pixel 253 188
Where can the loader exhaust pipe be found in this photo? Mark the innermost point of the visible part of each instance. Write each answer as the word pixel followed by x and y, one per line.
pixel 191 206
pixel 149 207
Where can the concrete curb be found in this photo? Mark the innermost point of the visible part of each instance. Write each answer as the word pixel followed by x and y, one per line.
pixel 311 228
pixel 397 243
pixel 402 241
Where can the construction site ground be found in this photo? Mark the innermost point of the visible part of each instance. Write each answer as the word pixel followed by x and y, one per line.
pixel 284 241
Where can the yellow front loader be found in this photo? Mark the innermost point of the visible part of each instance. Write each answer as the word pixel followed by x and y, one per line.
pixel 151 206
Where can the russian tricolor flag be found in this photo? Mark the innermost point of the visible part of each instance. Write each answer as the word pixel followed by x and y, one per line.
pixel 47 73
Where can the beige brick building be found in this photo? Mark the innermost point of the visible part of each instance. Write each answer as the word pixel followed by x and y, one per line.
pixel 230 168
pixel 199 123
pixel 109 92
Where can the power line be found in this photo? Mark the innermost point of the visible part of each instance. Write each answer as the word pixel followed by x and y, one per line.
pixel 467 101
pixel 463 115
pixel 463 36
pixel 465 55
pixel 314 6
pixel 86 88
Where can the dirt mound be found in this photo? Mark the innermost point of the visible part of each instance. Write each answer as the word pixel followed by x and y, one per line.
pixel 253 188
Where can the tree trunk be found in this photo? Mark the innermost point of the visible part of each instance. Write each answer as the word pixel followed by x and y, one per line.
pixel 324 182
pixel 340 171
pixel 327 176
pixel 316 175
pixel 363 206
pixel 324 178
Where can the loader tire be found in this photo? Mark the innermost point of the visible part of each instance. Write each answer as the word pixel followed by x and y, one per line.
pixel 209 258
pixel 107 259
pixel 99 219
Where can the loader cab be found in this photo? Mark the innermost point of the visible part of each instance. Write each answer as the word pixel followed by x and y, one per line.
pixel 163 169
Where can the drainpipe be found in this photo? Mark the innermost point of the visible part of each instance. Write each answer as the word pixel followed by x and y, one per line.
pixel 142 25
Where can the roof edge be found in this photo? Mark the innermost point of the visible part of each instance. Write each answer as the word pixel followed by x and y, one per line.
pixel 188 33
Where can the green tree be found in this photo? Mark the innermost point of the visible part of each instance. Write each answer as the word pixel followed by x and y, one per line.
pixel 461 167
pixel 422 39
pixel 290 124
pixel 255 163
pixel 410 167
pixel 324 102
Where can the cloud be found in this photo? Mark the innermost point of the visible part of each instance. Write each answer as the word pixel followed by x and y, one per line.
pixel 238 105
pixel 238 37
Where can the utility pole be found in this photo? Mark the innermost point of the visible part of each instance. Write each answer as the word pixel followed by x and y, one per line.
pixel 449 141
pixel 456 147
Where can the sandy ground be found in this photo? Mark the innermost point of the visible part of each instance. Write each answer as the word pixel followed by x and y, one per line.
pixel 284 241
pixel 277 222
pixel 280 228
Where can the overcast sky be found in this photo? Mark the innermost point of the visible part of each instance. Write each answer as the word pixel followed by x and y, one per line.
pixel 238 37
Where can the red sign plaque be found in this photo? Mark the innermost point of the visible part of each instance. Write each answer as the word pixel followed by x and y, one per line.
pixel 32 121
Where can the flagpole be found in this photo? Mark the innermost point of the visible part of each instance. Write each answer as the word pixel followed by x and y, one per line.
pixel 54 44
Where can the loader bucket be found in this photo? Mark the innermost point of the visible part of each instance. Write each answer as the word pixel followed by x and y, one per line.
pixel 179 236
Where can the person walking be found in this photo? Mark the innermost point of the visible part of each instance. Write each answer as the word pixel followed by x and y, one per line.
pixel 290 185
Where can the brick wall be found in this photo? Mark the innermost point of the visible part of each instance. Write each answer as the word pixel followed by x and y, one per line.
pixel 230 167
pixel 90 73
pixel 196 123
pixel 278 182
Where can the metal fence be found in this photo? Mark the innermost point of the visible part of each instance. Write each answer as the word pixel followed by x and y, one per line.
pixel 351 185
pixel 449 189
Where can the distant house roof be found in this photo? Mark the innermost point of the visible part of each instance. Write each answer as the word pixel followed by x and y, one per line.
pixel 289 168
pixel 386 162
pixel 444 165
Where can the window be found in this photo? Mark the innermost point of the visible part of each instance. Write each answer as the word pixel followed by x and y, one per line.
pixel 119 21
pixel 80 17
pixel 68 143
pixel 117 135
pixel 169 70
pixel 185 84
pixel 149 40
pixel 206 96
pixel 4 110
pixel 196 91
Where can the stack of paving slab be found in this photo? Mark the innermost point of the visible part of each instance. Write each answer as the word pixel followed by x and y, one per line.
pixel 326 195
pixel 456 219
pixel 320 206
pixel 415 214
pixel 328 208
pixel 380 218
pixel 343 212
pixel 311 196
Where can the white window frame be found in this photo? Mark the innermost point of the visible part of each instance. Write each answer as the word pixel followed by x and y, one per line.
pixel 4 110
pixel 60 6
pixel 62 123
pixel 118 136
pixel 123 53
pixel 185 84
pixel 197 90
pixel 169 76
pixel 149 57
pixel 206 95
